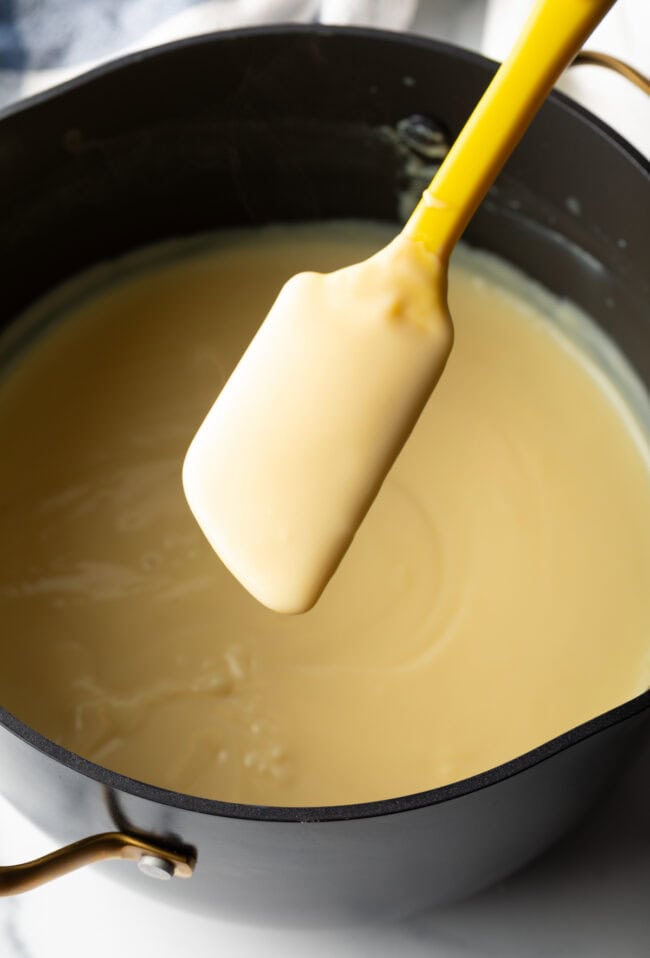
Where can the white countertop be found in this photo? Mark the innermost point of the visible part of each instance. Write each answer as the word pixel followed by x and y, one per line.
pixel 589 898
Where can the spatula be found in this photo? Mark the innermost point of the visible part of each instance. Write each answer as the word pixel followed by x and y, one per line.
pixel 287 462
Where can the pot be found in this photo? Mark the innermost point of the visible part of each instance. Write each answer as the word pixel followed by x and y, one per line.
pixel 341 122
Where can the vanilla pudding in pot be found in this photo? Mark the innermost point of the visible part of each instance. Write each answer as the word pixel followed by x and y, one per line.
pixel 495 596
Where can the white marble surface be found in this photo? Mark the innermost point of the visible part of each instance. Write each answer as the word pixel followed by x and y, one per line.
pixel 589 898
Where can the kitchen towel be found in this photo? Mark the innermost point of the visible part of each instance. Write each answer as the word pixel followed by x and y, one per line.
pixel 43 42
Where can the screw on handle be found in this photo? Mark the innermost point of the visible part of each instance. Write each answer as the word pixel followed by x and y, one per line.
pixel 153 860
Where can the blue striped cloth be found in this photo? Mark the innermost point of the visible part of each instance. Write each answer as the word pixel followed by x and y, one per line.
pixel 45 41
pixel 48 34
pixel 61 37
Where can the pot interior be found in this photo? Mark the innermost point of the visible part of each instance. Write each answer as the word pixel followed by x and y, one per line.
pixel 189 141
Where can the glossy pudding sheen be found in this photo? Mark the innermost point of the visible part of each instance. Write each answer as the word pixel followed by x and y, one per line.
pixel 495 596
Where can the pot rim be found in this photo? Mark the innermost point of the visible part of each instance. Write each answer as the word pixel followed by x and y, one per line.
pixel 320 30
pixel 324 813
pixel 328 813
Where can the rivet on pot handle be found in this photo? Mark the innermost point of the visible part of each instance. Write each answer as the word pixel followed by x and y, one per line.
pixel 612 63
pixel 153 860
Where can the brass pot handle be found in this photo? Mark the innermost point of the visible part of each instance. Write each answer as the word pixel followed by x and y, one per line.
pixel 154 860
pixel 618 66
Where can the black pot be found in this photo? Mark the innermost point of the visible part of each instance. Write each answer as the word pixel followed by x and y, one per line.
pixel 175 141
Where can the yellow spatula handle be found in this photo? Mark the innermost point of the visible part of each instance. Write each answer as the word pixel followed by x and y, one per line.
pixel 552 35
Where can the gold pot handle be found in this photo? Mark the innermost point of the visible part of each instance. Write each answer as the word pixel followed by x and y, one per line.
pixel 154 860
pixel 618 66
